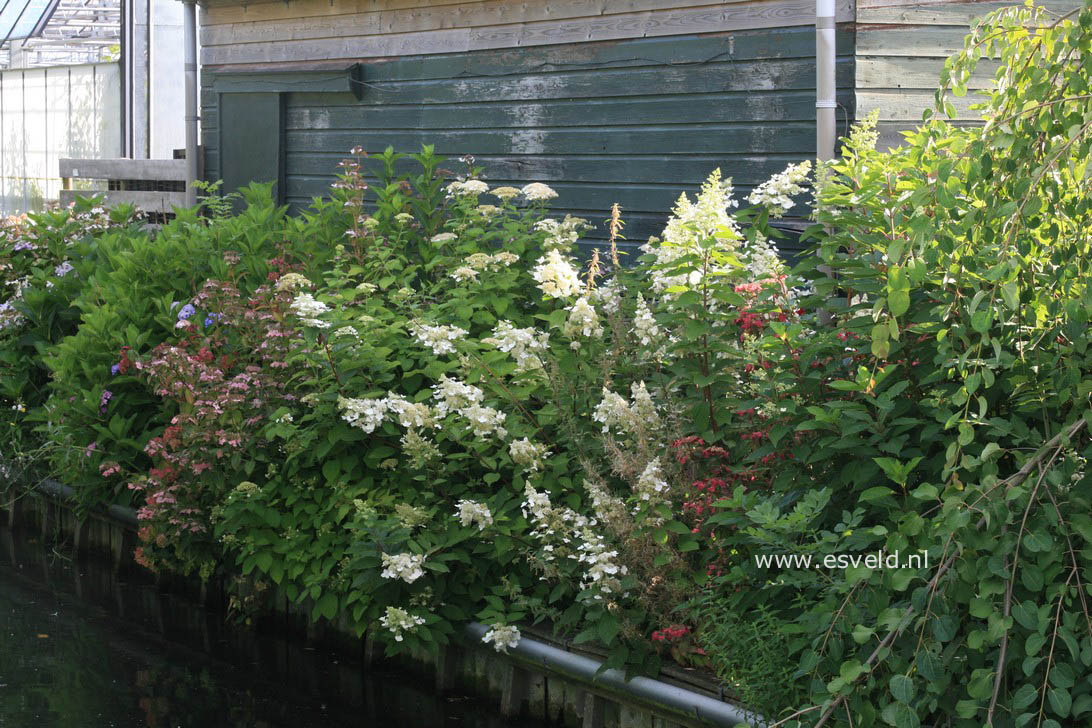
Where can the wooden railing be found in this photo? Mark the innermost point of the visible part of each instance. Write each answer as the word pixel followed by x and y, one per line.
pixel 152 185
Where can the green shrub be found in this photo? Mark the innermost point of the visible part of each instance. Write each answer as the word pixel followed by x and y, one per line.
pixel 943 414
pixel 135 288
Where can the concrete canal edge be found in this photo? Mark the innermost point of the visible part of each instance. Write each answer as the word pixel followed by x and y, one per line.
pixel 541 679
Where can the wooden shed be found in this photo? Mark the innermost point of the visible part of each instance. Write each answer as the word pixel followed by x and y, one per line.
pixel 625 101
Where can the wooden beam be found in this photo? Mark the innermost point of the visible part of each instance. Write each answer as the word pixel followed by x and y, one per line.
pixel 142 169
pixel 891 72
pixel 283 41
pixel 144 201
pixel 958 13
pixel 907 105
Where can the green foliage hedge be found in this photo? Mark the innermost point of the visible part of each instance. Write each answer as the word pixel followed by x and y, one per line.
pixel 413 405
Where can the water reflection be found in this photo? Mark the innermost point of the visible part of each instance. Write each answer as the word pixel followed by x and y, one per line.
pixel 80 648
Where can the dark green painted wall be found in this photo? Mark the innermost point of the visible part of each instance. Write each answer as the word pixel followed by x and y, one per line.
pixel 633 122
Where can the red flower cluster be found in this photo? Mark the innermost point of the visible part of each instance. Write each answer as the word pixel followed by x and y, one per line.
pixel 226 381
pixel 673 633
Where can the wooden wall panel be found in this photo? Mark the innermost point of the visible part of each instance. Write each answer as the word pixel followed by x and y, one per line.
pixel 349 29
pixel 633 122
pixel 900 51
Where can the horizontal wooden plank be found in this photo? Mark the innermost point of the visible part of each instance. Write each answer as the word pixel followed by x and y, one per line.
pixel 914 73
pixel 766 43
pixel 743 16
pixel 785 138
pixel 526 21
pixel 948 13
pixel 145 201
pixel 749 169
pixel 907 105
pixel 234 11
pixel 142 169
pixel 345 80
pixel 891 133
pixel 434 14
pixel 744 106
pixel 896 40
pixel 719 77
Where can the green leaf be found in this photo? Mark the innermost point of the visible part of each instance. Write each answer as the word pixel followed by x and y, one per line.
pixel 326 606
pixel 898 302
pixel 1010 294
pixel 1060 701
pixel 902 687
pixel 905 717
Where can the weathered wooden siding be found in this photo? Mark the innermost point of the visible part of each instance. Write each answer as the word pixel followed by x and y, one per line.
pixel 307 30
pixel 901 48
pixel 609 101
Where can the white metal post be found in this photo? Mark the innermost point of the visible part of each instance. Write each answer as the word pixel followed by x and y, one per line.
pixel 825 94
pixel 190 59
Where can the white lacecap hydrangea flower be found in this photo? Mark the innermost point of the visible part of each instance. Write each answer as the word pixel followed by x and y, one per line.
pixel 608 296
pixel 472 513
pixel 562 529
pixel 452 395
pixel 419 448
pixel 469 187
pixel 505 258
pixel 407 567
pixel 367 414
pixel 562 234
pixel 556 277
pixel 644 324
pixel 305 306
pixel 613 412
pixel 538 192
pixel 485 421
pixel 292 282
pixel 410 414
pixel 529 455
pixel 583 320
pixel 777 192
pixel 502 637
pixel 479 261
pixel 399 621
pixel 763 260
pixel 505 193
pixel 690 224
pixel 441 339
pixel 525 345
pixel 651 484
pixel 464 273
pixel 347 332
pixel 643 409
pixel 444 237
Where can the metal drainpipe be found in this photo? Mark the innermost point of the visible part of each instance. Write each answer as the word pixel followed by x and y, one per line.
pixel 825 99
pixel 190 60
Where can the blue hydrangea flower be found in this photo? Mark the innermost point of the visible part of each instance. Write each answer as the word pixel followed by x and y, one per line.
pixel 115 369
pixel 187 311
pixel 211 318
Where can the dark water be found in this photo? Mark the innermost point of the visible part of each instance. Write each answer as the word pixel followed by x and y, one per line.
pixel 80 648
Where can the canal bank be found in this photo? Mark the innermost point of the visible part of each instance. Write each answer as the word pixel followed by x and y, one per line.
pixel 543 681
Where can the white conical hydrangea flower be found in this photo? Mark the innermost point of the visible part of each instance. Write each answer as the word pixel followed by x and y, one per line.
pixel 555 276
